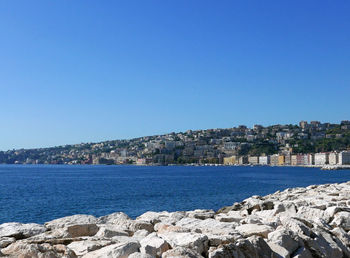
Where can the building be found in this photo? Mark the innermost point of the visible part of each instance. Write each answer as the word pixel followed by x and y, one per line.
pixel 321 158
pixel 310 159
pixel 287 159
pixel 303 124
pixel 230 160
pixel 344 158
pixel 264 160
pixel 243 160
pixel 333 158
pixel 294 160
pixel 281 160
pixel 274 160
pixel 253 160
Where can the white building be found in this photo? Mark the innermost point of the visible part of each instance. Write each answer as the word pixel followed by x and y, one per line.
pixel 264 160
pixel 344 158
pixel 333 158
pixel 321 158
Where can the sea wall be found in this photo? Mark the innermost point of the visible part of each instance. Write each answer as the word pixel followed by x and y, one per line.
pixel 297 222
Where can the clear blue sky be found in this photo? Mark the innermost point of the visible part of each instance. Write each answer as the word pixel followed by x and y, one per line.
pixel 87 71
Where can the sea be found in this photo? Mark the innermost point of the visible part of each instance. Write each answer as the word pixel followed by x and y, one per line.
pixel 40 193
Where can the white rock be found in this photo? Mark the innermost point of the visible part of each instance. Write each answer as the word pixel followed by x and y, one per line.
pixel 154 245
pixel 108 231
pixel 231 216
pixel 113 218
pixel 64 222
pixel 181 252
pixel 341 219
pixel 210 226
pixel 195 241
pixel 284 239
pixel 247 230
pixel 19 230
pixel 83 247
pixel 121 250
pixel 140 255
pixel 201 214
pixel 6 241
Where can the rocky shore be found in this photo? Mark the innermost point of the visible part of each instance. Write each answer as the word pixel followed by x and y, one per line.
pixel 297 222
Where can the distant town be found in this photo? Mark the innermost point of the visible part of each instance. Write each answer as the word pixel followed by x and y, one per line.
pixel 305 144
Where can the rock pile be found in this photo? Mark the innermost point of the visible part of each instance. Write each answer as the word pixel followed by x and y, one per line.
pixel 298 222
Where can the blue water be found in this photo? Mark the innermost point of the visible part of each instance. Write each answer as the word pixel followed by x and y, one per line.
pixel 39 193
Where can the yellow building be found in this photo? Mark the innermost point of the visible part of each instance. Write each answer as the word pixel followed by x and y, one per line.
pixel 281 160
pixel 230 160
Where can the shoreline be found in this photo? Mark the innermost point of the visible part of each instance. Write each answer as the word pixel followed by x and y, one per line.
pixel 311 221
pixel 321 167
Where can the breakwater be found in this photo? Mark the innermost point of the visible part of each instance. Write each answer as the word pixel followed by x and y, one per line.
pixel 297 222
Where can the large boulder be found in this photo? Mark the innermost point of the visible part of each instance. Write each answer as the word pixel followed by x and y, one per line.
pixel 82 230
pixel 154 245
pixel 210 226
pixel 341 219
pixel 22 249
pixel 120 250
pixel 231 216
pixel 195 241
pixel 163 217
pixel 20 231
pixel 64 222
pixel 85 246
pixel 182 252
pixel 201 214
pixel 6 241
pixel 283 238
pixel 109 231
pixel 113 218
pixel 248 230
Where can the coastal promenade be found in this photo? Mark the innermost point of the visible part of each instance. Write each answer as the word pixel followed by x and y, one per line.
pixel 297 222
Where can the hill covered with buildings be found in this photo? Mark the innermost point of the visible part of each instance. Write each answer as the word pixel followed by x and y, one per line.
pixel 276 145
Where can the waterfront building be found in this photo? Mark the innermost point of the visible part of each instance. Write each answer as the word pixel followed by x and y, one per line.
pixel 264 160
pixel 344 158
pixel 230 160
pixel 310 159
pixel 321 158
pixel 333 158
pixel 287 159
pixel 253 160
pixel 274 160
pixel 294 160
pixel 281 159
pixel 243 160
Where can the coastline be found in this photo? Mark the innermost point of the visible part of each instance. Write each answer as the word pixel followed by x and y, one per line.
pixel 298 222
